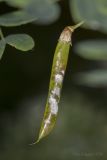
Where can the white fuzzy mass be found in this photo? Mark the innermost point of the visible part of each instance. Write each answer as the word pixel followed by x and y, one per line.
pixel 63 72
pixel 56 91
pixel 58 78
pixel 53 105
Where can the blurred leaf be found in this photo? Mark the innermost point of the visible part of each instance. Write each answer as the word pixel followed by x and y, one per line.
pixel 16 18
pixel 94 12
pixel 96 78
pixel 45 10
pixel 92 49
pixel 22 3
pixel 20 41
pixel 2 48
pixel 18 3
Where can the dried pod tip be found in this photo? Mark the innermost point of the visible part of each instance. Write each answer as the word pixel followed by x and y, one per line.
pixel 72 28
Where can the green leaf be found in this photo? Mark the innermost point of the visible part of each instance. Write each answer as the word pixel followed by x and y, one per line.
pixel 96 78
pixel 92 49
pixel 47 11
pixel 2 47
pixel 94 12
pixel 22 42
pixel 18 3
pixel 16 18
pixel 24 3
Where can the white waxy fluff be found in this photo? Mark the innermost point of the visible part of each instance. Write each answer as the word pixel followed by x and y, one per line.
pixel 63 72
pixel 47 121
pixel 53 105
pixel 58 78
pixel 56 91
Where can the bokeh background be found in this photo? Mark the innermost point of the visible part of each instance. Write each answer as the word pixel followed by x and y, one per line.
pixel 81 128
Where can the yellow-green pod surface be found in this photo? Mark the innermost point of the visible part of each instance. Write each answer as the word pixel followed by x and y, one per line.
pixel 56 80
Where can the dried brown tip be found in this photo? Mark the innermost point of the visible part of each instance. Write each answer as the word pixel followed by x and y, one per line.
pixel 72 28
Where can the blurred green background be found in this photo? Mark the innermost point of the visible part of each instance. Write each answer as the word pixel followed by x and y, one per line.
pixel 81 128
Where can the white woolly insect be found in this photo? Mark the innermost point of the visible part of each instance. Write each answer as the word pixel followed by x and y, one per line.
pixel 47 121
pixel 56 91
pixel 63 72
pixel 58 78
pixel 53 105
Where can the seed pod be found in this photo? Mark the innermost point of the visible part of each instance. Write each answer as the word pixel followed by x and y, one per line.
pixel 56 80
